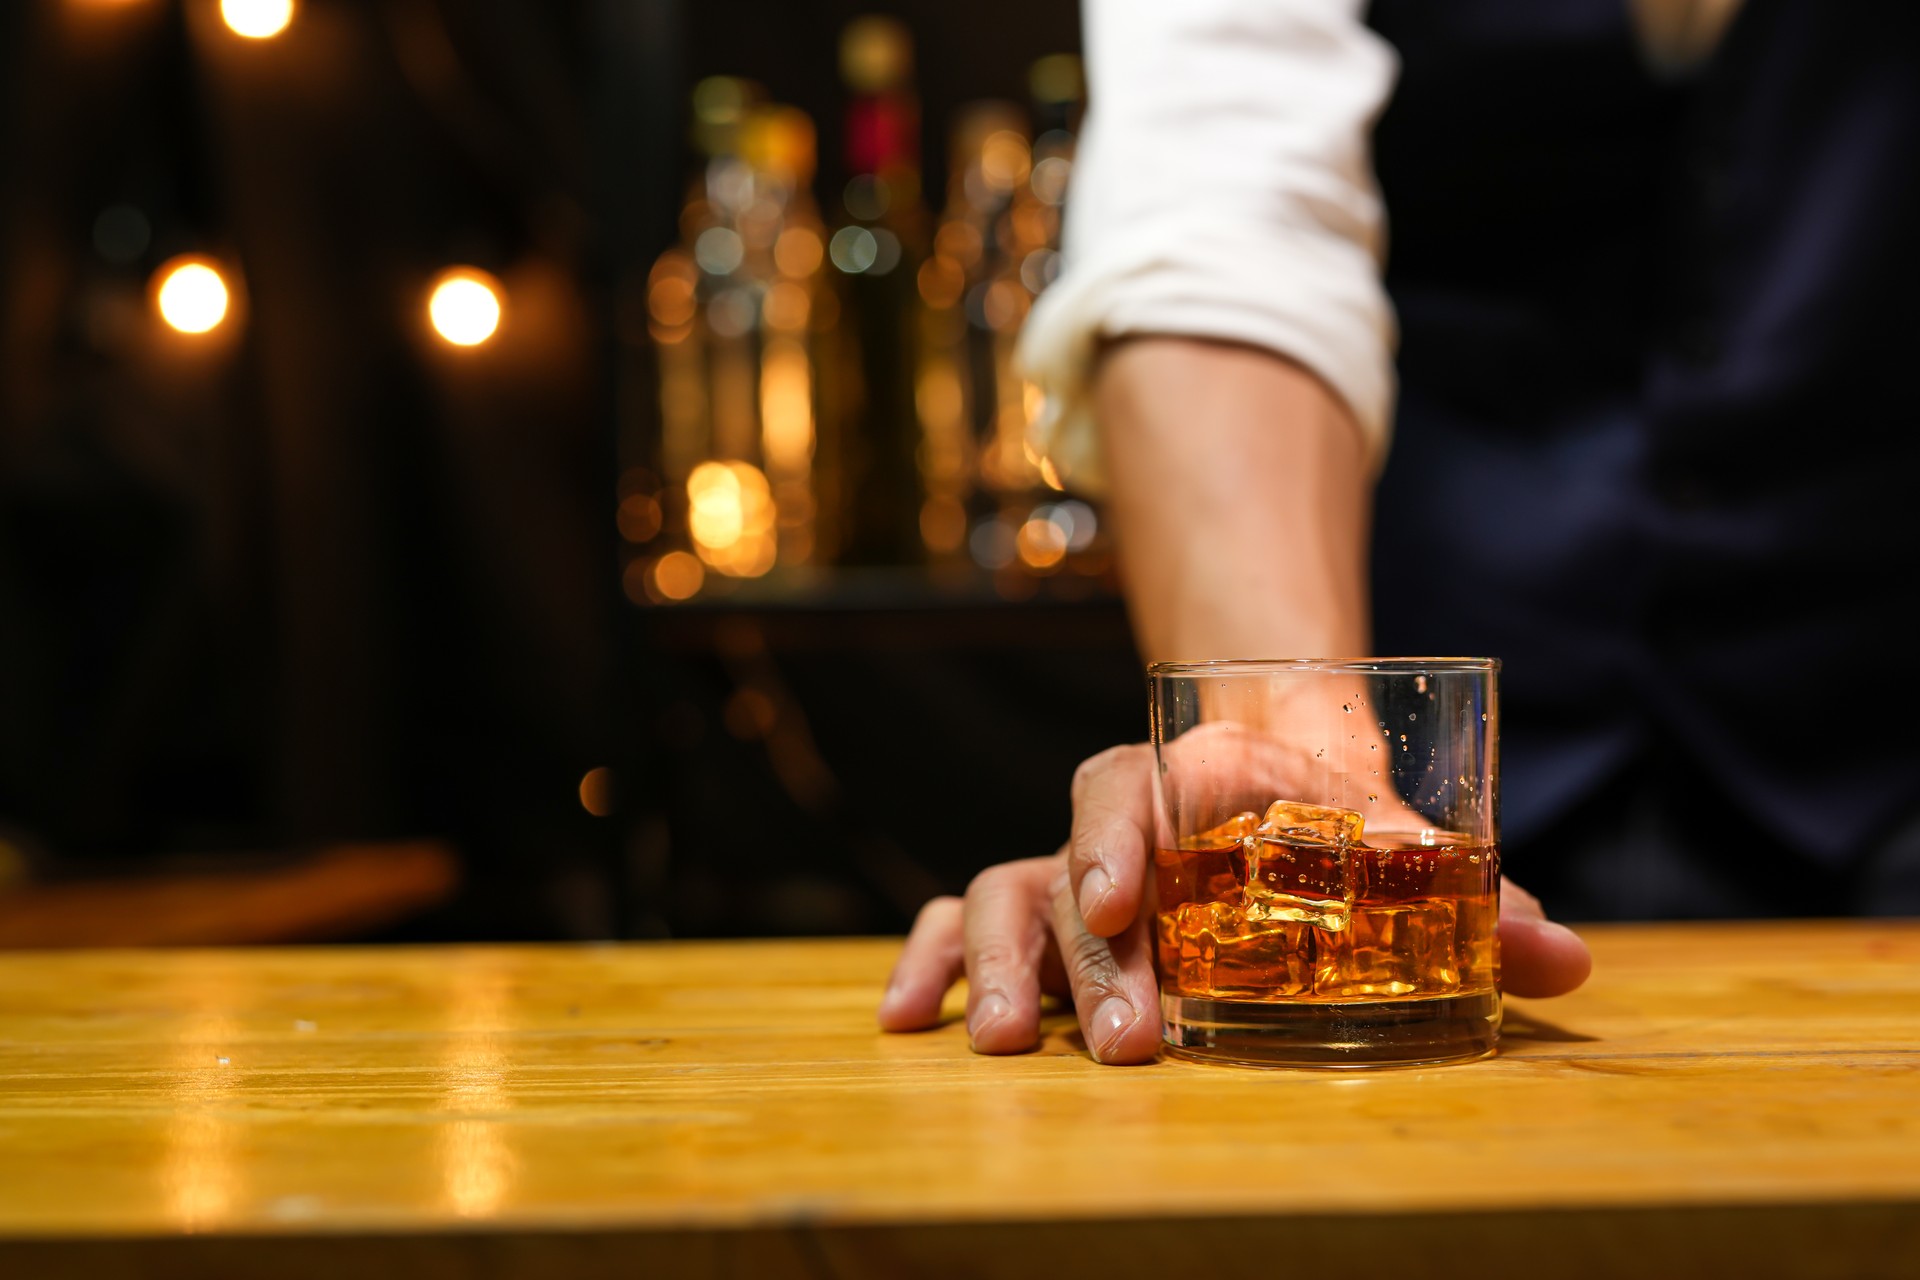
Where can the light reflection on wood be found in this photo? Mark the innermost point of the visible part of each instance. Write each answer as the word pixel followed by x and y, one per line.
pixel 476 1160
pixel 199 1173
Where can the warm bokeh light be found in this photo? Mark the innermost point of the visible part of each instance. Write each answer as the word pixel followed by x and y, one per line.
pixel 1077 522
pixel 639 517
pixel 191 295
pixel 672 297
pixel 1004 305
pixel 597 792
pixel 939 397
pixel 1005 160
pixel 786 406
pixel 677 576
pixel 256 19
pixel 670 300
pixel 786 307
pixel 465 306
pixel 730 515
pixel 941 282
pixel 961 242
pixel 798 252
pixel 1041 543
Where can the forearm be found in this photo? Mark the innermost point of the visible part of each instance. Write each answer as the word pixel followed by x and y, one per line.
pixel 1240 501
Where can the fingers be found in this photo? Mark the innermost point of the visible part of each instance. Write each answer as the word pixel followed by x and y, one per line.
pixel 1005 942
pixel 1112 828
pixel 1114 991
pixel 1537 956
pixel 929 964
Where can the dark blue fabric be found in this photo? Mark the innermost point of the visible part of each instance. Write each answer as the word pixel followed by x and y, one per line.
pixel 1657 442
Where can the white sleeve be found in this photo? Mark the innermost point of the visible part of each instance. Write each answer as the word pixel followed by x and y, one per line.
pixel 1223 189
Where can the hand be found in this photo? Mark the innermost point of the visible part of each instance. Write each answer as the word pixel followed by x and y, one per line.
pixel 1073 925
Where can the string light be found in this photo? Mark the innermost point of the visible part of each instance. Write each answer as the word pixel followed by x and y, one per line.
pixel 256 19
pixel 191 295
pixel 464 306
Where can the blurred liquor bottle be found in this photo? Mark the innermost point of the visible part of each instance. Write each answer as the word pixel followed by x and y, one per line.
pixel 967 380
pixel 736 309
pixel 875 439
pixel 989 495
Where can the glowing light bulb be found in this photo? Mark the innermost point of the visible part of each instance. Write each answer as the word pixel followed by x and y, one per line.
pixel 192 296
pixel 465 306
pixel 256 19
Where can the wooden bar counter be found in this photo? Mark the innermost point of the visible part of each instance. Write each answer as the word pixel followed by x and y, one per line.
pixel 1720 1100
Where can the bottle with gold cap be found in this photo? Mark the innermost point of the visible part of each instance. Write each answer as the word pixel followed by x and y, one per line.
pixel 874 255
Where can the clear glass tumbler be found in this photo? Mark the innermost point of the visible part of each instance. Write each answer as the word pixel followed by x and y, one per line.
pixel 1326 878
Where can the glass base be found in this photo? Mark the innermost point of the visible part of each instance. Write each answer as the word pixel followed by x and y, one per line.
pixel 1372 1033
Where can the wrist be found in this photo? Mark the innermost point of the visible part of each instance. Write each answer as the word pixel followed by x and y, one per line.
pixel 1240 503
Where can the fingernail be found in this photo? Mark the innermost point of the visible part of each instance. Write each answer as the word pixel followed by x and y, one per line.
pixel 990 1010
pixel 1094 887
pixel 1110 1022
pixel 891 996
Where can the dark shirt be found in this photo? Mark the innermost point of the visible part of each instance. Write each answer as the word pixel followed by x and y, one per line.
pixel 1657 439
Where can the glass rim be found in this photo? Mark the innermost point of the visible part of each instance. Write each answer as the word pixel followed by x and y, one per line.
pixel 1350 666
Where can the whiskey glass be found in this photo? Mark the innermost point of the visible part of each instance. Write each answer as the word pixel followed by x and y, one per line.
pixel 1326 873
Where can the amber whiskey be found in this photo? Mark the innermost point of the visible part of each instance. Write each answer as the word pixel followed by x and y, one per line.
pixel 1297 911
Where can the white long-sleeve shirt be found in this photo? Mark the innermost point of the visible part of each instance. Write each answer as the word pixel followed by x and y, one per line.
pixel 1223 189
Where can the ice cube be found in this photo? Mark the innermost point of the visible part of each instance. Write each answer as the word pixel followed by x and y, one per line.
pixel 1297 864
pixel 1304 882
pixel 1404 950
pixel 1294 822
pixel 1232 831
pixel 1214 951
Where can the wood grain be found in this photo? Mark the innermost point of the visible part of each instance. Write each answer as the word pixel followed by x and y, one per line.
pixel 1718 1095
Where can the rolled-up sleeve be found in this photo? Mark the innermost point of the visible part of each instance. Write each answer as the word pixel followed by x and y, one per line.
pixel 1223 189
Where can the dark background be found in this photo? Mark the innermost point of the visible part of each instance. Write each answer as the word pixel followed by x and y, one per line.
pixel 321 580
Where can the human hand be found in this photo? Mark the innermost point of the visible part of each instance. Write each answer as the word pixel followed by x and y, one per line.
pixel 1074 925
